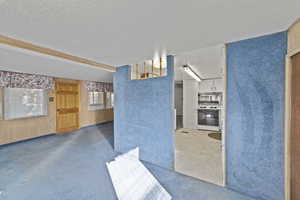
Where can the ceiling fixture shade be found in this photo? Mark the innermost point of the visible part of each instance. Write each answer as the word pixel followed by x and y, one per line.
pixel 192 73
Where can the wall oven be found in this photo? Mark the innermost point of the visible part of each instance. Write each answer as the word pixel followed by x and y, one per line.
pixel 208 117
pixel 209 111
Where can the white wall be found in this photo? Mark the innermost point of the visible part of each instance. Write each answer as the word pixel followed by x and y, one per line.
pixel 190 103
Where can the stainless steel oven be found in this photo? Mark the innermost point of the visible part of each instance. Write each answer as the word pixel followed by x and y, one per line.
pixel 209 111
pixel 208 117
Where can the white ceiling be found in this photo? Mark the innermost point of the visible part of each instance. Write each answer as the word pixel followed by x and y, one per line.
pixel 118 32
pixel 206 62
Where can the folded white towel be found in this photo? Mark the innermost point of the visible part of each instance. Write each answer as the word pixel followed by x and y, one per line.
pixel 132 180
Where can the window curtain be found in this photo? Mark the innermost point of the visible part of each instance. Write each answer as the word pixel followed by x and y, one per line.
pixel 93 86
pixel 22 80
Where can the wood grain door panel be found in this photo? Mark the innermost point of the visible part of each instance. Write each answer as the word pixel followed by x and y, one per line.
pixel 67 106
pixel 295 129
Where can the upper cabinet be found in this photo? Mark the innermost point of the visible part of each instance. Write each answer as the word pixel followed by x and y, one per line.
pixel 211 85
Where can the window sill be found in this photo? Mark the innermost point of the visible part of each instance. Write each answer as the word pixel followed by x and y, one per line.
pixel 96 107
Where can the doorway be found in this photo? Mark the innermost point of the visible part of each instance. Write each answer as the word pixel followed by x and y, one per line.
pixel 178 93
pixel 200 114
pixel 67 105
pixel 295 127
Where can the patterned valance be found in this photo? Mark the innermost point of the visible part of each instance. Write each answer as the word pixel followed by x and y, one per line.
pixel 99 86
pixel 4 79
pixel 22 80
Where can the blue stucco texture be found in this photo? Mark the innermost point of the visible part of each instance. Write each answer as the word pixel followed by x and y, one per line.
pixel 255 116
pixel 144 115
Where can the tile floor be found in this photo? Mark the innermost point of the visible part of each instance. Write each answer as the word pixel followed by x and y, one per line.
pixel 199 155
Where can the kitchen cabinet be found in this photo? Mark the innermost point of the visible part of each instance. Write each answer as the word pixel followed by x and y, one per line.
pixel 211 85
pixel 190 104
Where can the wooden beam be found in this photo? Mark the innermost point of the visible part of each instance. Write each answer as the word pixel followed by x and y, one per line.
pixel 47 51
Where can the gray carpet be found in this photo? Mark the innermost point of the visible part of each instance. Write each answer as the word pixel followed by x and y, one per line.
pixel 72 167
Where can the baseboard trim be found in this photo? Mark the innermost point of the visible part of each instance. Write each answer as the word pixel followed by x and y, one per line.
pixel 100 123
pixel 52 134
pixel 27 140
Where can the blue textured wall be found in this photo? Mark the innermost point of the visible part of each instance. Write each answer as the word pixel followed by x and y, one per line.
pixel 255 116
pixel 144 115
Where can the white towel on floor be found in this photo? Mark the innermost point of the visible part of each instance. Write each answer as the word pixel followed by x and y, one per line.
pixel 132 180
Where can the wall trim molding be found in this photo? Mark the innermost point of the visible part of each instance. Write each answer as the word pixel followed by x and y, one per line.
pixel 98 124
pixel 224 155
pixel 43 50
pixel 53 134
pixel 293 53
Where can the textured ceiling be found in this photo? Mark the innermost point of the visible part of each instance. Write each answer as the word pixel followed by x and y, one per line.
pixel 208 62
pixel 18 60
pixel 122 32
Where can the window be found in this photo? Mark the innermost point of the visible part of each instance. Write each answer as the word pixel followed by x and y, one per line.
pixel 96 101
pixel 149 69
pixel 109 100
pixel 23 103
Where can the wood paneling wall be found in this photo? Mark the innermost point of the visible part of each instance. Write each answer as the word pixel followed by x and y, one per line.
pixel 22 129
pixel 292 150
pixel 294 37
pixel 295 129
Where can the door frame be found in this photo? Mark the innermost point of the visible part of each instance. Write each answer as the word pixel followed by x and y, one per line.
pixel 223 117
pixel 287 122
pixel 224 161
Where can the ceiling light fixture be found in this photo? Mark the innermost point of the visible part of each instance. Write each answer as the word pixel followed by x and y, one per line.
pixel 191 72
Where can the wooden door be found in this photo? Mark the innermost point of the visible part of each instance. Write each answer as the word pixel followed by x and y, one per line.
pixel 67 106
pixel 295 129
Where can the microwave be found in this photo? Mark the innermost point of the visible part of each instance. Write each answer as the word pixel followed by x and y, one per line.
pixel 209 97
